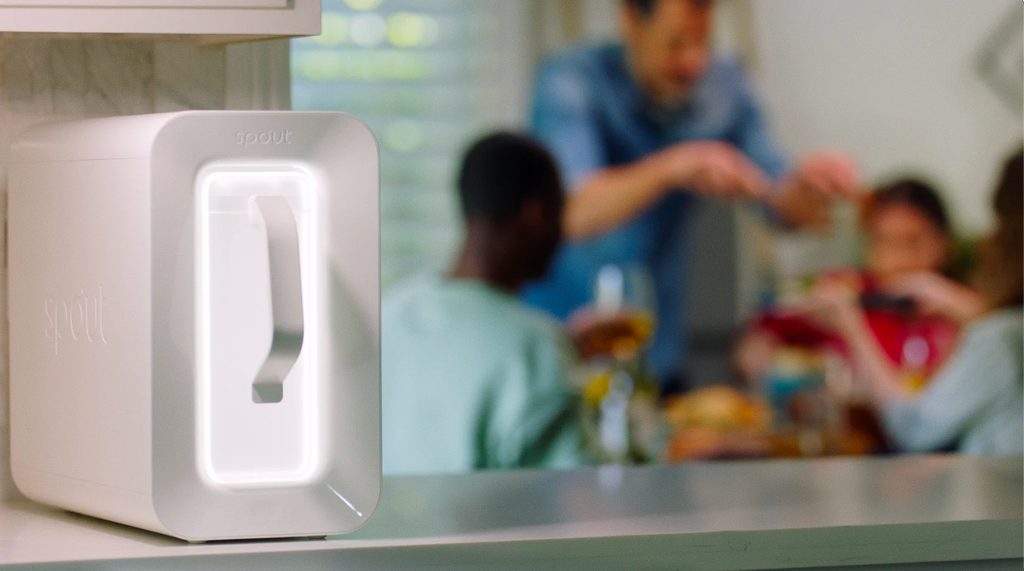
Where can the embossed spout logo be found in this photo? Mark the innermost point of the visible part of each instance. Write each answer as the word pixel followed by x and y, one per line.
pixel 271 137
pixel 78 319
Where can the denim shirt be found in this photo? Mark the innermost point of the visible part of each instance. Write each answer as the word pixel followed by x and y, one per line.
pixel 591 114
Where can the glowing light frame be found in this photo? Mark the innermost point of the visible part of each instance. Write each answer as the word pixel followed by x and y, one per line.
pixel 309 356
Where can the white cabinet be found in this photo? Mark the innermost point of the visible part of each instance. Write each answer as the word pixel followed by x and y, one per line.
pixel 224 19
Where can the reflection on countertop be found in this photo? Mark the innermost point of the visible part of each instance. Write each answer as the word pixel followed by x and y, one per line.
pixel 742 515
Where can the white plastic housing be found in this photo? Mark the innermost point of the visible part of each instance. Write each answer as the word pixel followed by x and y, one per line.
pixel 194 321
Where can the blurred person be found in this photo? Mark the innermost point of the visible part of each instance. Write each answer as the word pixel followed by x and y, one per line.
pixel 472 377
pixel 642 131
pixel 908 238
pixel 974 403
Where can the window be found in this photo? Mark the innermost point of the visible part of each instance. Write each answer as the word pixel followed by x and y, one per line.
pixel 426 76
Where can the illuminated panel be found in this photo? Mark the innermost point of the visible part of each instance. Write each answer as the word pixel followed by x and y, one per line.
pixel 242 442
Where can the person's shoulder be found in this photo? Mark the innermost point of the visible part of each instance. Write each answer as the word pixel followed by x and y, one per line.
pixel 525 325
pixel 474 301
pixel 585 61
pixel 408 291
pixel 575 77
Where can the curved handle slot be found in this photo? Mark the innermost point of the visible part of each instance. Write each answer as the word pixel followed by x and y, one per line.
pixel 285 297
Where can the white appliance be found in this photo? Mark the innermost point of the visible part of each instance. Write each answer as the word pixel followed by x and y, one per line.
pixel 194 321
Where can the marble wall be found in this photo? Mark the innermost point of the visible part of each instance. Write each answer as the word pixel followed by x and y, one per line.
pixel 45 78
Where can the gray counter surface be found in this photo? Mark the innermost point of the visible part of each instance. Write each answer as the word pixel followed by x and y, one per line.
pixel 949 512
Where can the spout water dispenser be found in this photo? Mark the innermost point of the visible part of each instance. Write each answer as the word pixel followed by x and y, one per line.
pixel 194 321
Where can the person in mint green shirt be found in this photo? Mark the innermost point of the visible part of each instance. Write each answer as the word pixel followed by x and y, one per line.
pixel 472 378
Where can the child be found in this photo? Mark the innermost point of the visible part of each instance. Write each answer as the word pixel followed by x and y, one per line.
pixel 974 403
pixel 907 234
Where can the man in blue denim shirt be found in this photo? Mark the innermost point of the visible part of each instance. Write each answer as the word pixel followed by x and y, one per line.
pixel 644 130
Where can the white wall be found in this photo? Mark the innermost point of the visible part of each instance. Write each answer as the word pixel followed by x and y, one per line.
pixel 893 82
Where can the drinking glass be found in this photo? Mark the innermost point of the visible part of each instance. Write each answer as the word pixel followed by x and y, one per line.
pixel 612 333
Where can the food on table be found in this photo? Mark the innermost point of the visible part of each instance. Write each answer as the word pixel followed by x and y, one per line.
pixel 717 407
pixel 716 422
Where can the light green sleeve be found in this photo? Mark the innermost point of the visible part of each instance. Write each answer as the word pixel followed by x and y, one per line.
pixel 534 414
pixel 971 383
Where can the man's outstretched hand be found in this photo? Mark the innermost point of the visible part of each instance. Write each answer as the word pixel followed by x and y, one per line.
pixel 807 193
pixel 712 168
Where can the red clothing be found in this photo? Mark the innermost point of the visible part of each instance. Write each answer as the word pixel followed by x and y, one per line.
pixel 893 331
pixel 892 328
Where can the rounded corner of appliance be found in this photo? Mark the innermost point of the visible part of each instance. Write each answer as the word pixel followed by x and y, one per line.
pixel 174 126
pixel 167 521
pixel 349 123
pixel 364 516
pixel 22 481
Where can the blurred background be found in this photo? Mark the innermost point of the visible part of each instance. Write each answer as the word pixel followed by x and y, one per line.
pixel 927 87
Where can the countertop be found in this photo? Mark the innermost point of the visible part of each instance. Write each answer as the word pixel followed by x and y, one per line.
pixel 725 515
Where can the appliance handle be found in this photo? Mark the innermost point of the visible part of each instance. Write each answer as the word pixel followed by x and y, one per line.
pixel 285 297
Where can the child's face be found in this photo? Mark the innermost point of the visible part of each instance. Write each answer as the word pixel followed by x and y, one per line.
pixel 902 241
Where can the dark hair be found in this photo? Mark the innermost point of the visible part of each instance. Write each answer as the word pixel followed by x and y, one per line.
pixel 643 7
pixel 1001 267
pixel 646 7
pixel 1008 201
pixel 502 171
pixel 911 192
